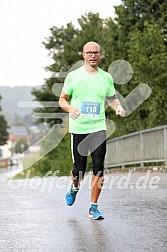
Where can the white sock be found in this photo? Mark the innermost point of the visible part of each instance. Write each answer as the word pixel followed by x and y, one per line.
pixel 75 188
pixel 93 203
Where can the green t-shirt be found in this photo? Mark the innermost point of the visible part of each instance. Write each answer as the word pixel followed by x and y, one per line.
pixel 88 93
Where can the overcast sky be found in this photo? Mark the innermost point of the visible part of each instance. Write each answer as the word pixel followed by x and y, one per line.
pixel 24 24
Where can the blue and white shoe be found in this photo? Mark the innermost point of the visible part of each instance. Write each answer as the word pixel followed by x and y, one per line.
pixel 94 213
pixel 70 196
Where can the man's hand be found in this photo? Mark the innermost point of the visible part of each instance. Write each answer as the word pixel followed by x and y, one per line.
pixel 120 111
pixel 74 112
pixel 116 105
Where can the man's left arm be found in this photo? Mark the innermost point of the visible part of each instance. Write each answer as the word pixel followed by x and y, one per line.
pixel 116 105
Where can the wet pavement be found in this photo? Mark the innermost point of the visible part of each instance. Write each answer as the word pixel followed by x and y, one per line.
pixel 9 172
pixel 34 216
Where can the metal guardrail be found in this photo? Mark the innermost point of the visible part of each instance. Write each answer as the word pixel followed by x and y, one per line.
pixel 146 146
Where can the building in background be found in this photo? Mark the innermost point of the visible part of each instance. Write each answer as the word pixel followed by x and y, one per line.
pixel 16 134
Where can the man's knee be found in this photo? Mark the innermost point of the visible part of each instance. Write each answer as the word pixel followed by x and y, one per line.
pixel 98 173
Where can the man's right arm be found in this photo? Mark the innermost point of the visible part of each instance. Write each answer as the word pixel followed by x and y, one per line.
pixel 63 103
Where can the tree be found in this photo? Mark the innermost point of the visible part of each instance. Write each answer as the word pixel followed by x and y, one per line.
pixel 148 55
pixel 21 146
pixel 142 41
pixel 3 129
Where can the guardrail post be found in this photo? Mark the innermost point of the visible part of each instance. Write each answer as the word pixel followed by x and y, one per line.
pixel 165 146
pixel 141 150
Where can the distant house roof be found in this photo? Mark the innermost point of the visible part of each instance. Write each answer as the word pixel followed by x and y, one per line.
pixel 18 132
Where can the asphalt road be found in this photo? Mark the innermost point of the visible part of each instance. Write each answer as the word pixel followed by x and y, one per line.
pixel 34 216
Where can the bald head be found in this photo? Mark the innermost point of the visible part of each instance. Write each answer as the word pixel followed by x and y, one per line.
pixel 91 54
pixel 91 44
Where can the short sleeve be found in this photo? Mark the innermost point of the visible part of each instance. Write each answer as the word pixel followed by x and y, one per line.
pixel 111 89
pixel 67 88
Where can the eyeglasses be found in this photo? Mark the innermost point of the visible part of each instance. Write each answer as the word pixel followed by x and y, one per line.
pixel 91 53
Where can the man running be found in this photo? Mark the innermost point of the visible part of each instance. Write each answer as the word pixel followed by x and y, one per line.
pixel 88 87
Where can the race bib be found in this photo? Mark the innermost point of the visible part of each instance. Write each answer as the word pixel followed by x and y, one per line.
pixel 90 108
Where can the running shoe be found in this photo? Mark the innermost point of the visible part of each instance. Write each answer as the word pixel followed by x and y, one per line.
pixel 70 196
pixel 94 213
